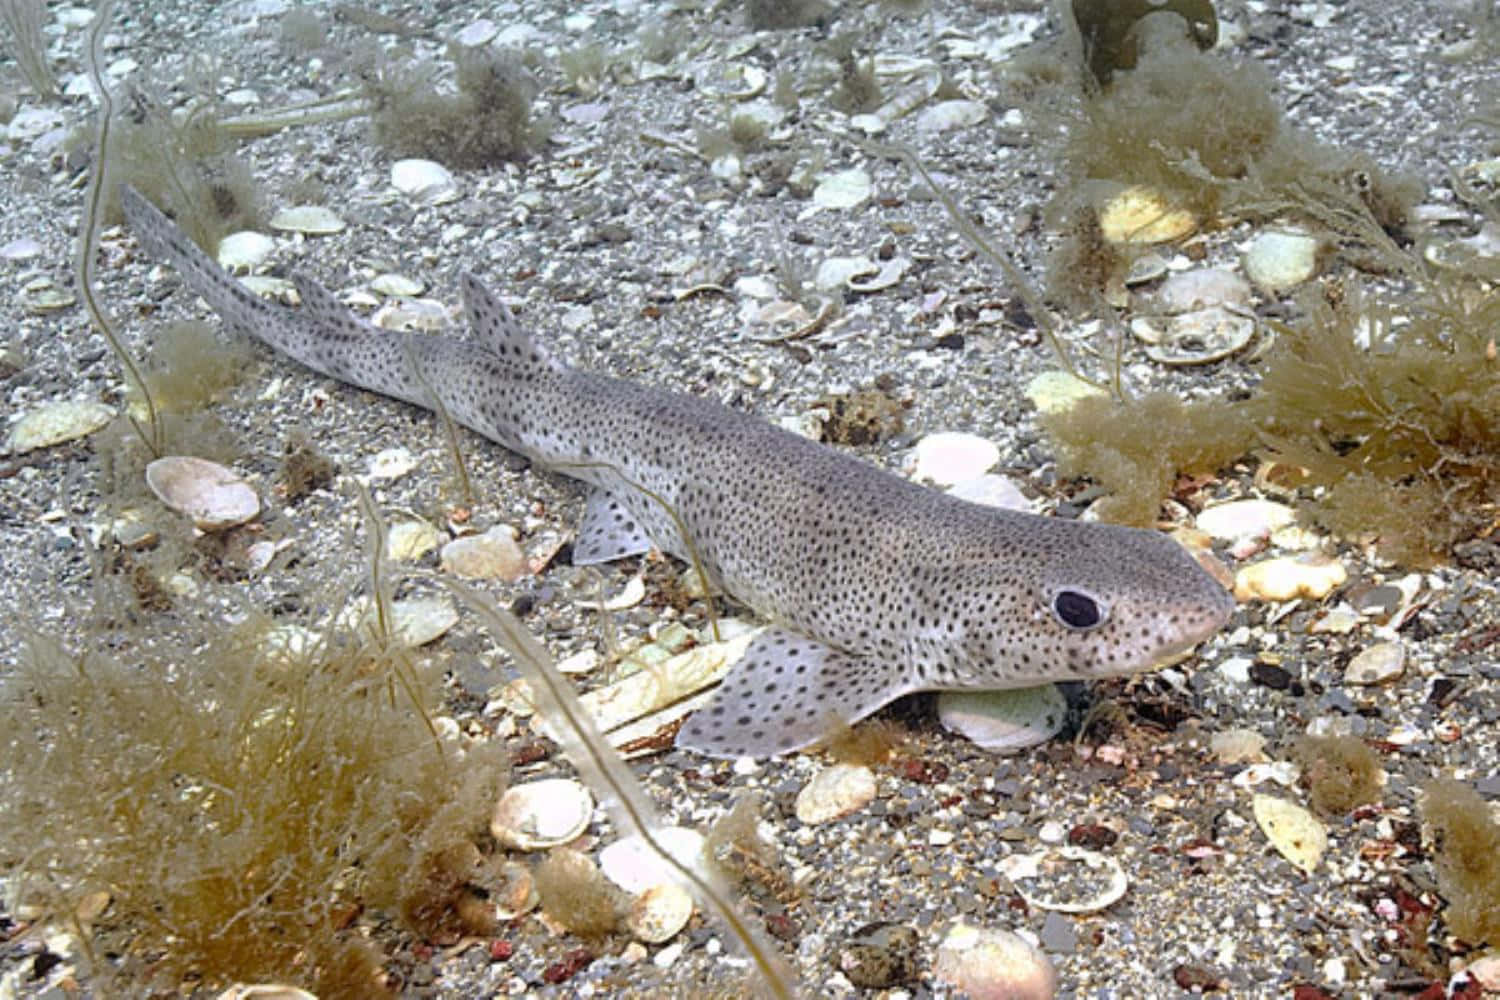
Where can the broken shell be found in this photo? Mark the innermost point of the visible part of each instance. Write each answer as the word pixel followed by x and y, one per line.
pixel 1142 215
pixel 1313 575
pixel 1004 721
pixel 424 182
pixel 844 189
pixel 408 541
pixel 1382 662
pixel 837 271
pixel 542 814
pixel 1296 833
pixel 213 496
pixel 634 866
pixel 1196 338
pixel 1056 391
pixel 890 273
pixel 42 297
pixel 736 81
pixel 946 115
pixel 658 914
pixel 415 621
pixel 244 251
pixel 310 220
pixel 411 314
pixel 1066 879
pixel 835 792
pixel 54 423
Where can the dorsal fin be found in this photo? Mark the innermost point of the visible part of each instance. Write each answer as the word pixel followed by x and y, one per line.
pixel 324 308
pixel 499 330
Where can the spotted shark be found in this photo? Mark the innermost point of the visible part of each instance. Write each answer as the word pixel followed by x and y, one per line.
pixel 875 587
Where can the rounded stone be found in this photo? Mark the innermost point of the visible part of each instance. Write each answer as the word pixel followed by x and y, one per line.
pixel 634 866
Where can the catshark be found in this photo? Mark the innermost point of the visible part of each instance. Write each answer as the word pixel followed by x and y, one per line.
pixel 875 586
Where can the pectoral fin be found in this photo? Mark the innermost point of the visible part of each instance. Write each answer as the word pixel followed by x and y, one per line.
pixel 788 692
pixel 607 532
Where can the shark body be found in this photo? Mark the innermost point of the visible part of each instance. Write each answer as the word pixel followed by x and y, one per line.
pixel 876 587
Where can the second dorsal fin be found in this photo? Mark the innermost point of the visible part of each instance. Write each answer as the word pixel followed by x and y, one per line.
pixel 498 329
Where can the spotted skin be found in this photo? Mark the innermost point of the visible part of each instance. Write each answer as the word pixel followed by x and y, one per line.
pixel 876 587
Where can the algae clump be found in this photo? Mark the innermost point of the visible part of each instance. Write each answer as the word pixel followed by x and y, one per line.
pixel 1465 839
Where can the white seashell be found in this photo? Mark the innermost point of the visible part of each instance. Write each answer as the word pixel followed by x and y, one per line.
pixel 411 314
pixel 1296 833
pixel 244 251
pixel 1056 391
pixel 493 555
pixel 736 81
pixel 1199 288
pixel 634 866
pixel 837 271
pixel 1197 338
pixel 424 182
pixel 1312 575
pixel 1279 260
pixel 1142 215
pixel 986 963
pixel 951 457
pixel 213 496
pixel 392 463
pixel 991 490
pixel 542 814
pixel 658 914
pixel 1004 721
pixel 947 115
pixel 835 792
pixel 264 991
pixel 408 541
pixel 310 220
pixel 1066 879
pixel 1241 519
pixel 54 423
pixel 890 273
pixel 396 285
pixel 844 189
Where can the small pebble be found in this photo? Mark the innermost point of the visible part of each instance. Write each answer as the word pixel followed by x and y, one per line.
pixel 213 496
pixel 542 814
pixel 835 792
pixel 992 964
pixel 493 555
pixel 1312 575
pixel 1382 662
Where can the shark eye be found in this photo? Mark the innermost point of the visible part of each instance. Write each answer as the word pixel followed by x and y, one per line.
pixel 1076 609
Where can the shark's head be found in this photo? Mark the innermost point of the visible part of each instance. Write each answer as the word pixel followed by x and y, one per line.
pixel 1068 601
